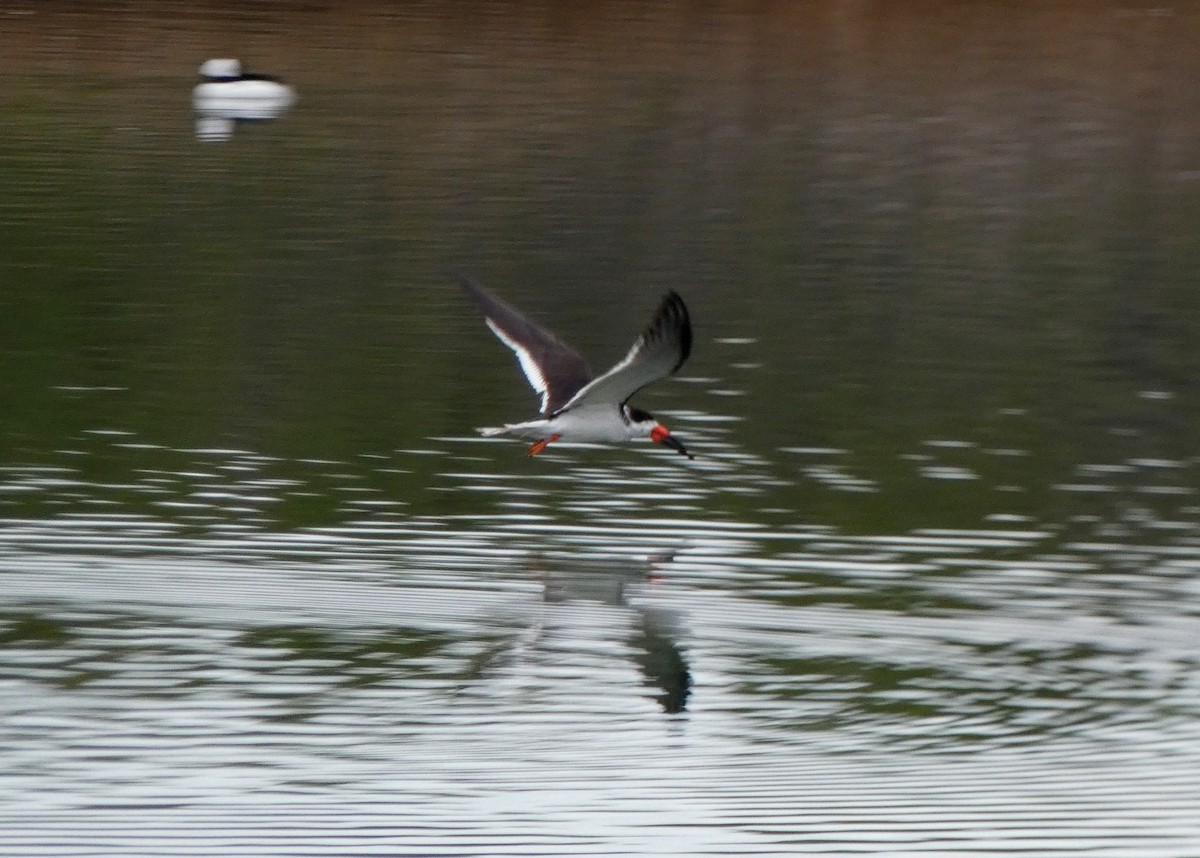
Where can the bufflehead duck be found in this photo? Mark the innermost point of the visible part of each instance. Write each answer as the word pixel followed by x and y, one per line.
pixel 227 94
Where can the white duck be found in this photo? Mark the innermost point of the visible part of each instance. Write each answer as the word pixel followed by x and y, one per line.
pixel 226 94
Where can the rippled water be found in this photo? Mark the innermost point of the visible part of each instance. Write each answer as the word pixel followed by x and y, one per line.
pixel 929 588
pixel 632 682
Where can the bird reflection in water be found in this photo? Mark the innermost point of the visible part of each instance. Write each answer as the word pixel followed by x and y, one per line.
pixel 653 632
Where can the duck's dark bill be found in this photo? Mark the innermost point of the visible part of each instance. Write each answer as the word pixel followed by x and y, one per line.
pixel 675 444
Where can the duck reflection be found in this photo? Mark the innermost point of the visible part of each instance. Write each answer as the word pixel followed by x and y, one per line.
pixel 607 581
pixel 227 95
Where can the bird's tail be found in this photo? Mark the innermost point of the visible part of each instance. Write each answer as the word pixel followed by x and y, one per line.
pixel 492 431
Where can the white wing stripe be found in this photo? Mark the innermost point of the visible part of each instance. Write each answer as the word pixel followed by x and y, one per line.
pixel 529 366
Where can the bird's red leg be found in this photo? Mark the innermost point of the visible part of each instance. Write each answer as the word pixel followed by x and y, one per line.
pixel 537 446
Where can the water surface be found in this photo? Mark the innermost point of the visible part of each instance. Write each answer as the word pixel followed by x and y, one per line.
pixel 929 587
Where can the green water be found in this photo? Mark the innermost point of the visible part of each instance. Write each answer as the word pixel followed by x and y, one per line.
pixel 928 587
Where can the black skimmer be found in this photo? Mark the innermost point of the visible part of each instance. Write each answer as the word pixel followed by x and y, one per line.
pixel 576 406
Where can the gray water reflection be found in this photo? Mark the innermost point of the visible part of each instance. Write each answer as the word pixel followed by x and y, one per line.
pixel 511 681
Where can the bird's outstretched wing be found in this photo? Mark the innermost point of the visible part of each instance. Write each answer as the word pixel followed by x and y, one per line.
pixel 659 351
pixel 554 370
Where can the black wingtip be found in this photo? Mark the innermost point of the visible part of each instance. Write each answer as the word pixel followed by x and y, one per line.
pixel 675 312
pixel 484 299
pixel 465 280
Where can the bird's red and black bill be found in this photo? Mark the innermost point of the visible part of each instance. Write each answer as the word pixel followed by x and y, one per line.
pixel 660 435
